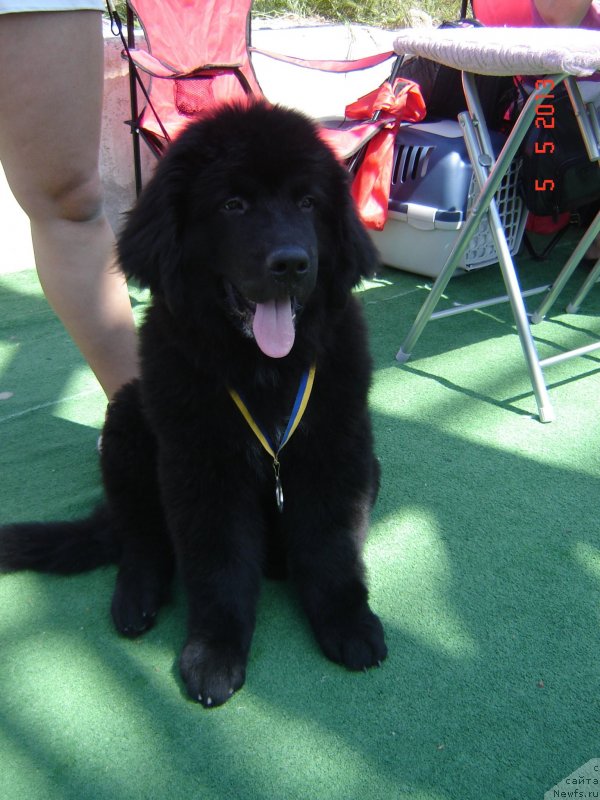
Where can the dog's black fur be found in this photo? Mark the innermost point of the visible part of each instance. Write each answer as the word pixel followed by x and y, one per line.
pixel 247 207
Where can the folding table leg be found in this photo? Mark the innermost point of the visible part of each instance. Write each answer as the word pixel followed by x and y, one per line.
pixel 567 271
pixel 481 154
pixel 591 279
pixel 485 204
pixel 587 120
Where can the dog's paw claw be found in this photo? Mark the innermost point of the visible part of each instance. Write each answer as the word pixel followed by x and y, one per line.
pixel 211 676
pixel 136 601
pixel 357 644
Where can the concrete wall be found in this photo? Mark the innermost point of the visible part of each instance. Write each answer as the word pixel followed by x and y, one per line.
pixel 116 149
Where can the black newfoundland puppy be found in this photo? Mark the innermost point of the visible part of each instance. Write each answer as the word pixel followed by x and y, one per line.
pixel 245 447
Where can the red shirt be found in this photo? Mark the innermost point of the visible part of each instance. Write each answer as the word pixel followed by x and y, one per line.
pixel 590 21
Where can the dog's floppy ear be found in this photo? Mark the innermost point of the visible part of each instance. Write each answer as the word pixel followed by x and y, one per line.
pixel 356 256
pixel 149 247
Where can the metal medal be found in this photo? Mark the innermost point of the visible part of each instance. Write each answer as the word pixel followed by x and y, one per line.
pixel 278 487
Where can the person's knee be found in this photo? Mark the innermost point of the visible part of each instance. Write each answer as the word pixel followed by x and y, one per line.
pixel 75 198
pixel 79 200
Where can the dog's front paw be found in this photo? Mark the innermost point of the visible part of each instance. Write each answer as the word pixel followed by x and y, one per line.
pixel 211 674
pixel 357 643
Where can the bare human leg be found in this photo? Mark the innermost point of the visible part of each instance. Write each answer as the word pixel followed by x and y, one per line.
pixel 51 78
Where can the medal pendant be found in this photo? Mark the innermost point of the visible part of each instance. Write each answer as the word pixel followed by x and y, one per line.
pixel 278 494
pixel 278 487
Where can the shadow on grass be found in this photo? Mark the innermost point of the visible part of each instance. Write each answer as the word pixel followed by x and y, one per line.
pixel 484 564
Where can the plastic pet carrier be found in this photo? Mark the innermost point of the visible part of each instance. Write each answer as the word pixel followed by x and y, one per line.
pixel 431 194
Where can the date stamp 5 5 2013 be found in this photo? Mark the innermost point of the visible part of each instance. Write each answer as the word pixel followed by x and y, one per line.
pixel 544 118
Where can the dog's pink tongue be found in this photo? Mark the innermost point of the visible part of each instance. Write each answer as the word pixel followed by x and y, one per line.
pixel 273 327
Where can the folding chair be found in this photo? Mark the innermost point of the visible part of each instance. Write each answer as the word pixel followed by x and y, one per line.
pixel 199 55
pixel 560 55
pixel 192 60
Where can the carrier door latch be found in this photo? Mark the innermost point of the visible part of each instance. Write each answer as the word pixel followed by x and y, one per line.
pixel 428 218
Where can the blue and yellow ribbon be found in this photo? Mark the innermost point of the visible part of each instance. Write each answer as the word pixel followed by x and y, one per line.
pixel 300 404
pixel 302 398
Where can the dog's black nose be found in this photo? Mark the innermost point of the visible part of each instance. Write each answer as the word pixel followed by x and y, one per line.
pixel 288 263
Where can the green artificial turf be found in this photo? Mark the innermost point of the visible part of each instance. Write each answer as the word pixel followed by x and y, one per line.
pixel 484 564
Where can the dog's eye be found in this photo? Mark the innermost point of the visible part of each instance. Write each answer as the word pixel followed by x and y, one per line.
pixel 235 205
pixel 307 202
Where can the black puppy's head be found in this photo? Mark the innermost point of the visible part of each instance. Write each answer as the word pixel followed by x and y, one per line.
pixel 248 212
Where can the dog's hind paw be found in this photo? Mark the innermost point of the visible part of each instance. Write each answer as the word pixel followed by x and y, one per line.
pixel 211 674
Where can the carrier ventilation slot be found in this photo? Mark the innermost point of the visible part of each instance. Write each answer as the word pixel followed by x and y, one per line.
pixel 411 163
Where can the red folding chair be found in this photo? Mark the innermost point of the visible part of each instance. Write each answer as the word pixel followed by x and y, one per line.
pixel 199 56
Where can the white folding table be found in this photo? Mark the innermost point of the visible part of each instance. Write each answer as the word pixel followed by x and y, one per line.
pixel 559 55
